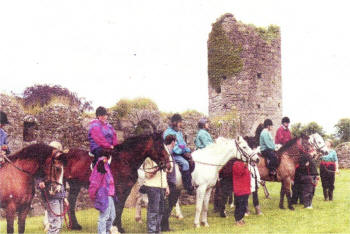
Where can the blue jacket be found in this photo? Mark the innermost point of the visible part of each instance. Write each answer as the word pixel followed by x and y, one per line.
pixel 180 146
pixel 3 140
pixel 331 157
pixel 203 139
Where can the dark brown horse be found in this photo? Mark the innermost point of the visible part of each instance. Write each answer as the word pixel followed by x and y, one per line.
pixel 288 157
pixel 126 159
pixel 17 179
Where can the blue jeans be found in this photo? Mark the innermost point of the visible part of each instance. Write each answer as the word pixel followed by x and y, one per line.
pixel 55 222
pixel 106 218
pixel 155 209
pixel 183 163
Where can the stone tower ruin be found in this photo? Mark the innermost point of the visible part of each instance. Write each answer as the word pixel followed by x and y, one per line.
pixel 244 71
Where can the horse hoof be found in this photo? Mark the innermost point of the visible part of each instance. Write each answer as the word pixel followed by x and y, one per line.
pixel 205 224
pixel 76 227
pixel 138 220
pixel 179 217
pixel 197 225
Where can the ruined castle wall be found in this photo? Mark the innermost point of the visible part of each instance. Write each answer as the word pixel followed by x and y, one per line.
pixel 256 90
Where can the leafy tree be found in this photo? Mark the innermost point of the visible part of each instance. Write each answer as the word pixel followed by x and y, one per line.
pixel 343 130
pixel 41 95
pixel 298 129
pixel 126 106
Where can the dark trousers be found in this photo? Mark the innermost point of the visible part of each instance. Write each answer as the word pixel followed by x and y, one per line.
pixel 98 152
pixel 224 191
pixel 255 198
pixel 297 192
pixel 272 159
pixel 308 189
pixel 155 209
pixel 327 179
pixel 169 205
pixel 241 205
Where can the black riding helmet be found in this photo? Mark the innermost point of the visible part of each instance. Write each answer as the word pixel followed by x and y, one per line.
pixel 267 122
pixel 3 118
pixel 285 120
pixel 176 118
pixel 101 111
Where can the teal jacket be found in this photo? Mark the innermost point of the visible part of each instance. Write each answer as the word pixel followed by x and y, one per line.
pixel 331 157
pixel 180 146
pixel 266 141
pixel 203 139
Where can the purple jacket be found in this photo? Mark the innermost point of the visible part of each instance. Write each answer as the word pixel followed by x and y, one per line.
pixel 101 135
pixel 104 181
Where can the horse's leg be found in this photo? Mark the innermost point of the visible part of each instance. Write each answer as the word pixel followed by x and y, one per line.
pixel 10 216
pixel 72 198
pixel 138 208
pixel 199 203
pixel 22 215
pixel 205 207
pixel 282 196
pixel 119 206
pixel 288 194
pixel 178 213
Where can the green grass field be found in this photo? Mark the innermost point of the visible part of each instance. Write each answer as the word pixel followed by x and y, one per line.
pixel 325 217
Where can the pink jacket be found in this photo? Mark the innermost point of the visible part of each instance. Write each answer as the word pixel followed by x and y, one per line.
pixel 101 135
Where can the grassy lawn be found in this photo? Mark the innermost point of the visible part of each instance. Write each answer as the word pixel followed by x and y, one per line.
pixel 325 217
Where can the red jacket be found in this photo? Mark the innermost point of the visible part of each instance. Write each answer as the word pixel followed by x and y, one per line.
pixel 241 178
pixel 282 135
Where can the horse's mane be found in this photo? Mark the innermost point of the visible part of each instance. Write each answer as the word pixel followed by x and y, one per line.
pixel 286 146
pixel 39 152
pixel 216 148
pixel 259 130
pixel 132 142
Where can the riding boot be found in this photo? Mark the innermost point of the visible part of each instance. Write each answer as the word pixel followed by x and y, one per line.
pixel 187 182
pixel 330 194
pixel 325 194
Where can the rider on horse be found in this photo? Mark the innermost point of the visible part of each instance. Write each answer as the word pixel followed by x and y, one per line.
pixel 181 153
pixel 101 134
pixel 203 137
pixel 267 147
pixel 3 137
pixel 283 134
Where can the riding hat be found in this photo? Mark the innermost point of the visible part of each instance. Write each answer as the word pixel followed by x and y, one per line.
pixel 176 118
pixel 285 120
pixel 3 118
pixel 268 122
pixel 101 111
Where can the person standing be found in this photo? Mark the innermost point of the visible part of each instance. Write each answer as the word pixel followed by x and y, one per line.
pixel 241 190
pixel 283 134
pixel 267 147
pixel 4 149
pixel 101 134
pixel 174 193
pixel 102 193
pixel 308 179
pixel 181 153
pixel 328 168
pixel 156 187
pixel 203 138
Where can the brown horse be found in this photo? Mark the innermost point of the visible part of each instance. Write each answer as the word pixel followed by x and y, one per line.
pixel 288 156
pixel 126 159
pixel 17 179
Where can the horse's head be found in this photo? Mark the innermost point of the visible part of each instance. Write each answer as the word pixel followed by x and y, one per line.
pixel 319 144
pixel 158 152
pixel 53 169
pixel 244 152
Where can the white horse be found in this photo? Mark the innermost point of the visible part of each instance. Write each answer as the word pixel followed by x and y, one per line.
pixel 319 144
pixel 209 161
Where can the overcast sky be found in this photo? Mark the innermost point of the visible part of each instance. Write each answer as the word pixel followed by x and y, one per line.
pixel 107 50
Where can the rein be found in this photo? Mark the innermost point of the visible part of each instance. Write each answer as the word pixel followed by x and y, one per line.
pixel 18 168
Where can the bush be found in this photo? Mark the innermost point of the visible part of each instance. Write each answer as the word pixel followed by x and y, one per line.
pixel 37 96
pixel 125 106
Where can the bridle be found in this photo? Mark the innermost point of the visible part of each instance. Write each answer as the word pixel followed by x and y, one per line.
pixel 314 144
pixel 243 153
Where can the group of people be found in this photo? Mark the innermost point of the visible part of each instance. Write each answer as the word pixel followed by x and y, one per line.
pixel 160 185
